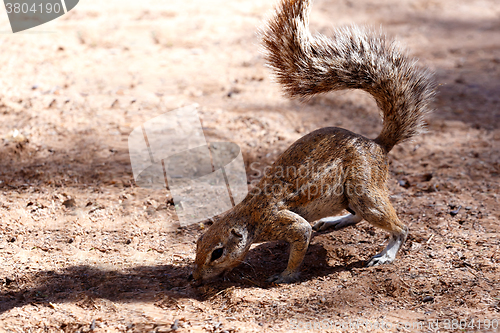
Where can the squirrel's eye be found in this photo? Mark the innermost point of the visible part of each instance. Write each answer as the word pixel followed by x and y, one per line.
pixel 217 253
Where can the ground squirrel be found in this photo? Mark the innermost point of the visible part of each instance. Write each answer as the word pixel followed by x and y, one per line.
pixel 330 169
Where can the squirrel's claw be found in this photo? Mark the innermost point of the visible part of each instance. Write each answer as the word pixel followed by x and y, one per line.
pixel 379 259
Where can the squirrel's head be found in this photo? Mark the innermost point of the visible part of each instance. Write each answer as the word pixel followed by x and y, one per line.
pixel 221 248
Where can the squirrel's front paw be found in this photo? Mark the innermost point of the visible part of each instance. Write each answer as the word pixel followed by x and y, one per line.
pixel 283 278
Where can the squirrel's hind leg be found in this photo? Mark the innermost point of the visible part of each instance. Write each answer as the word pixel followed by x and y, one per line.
pixel 375 207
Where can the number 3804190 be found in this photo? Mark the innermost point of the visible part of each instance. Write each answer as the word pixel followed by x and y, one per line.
pixel 25 8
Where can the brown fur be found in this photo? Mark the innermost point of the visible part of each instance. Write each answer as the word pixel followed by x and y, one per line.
pixel 330 169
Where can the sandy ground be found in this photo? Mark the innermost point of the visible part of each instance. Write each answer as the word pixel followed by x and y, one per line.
pixel 84 249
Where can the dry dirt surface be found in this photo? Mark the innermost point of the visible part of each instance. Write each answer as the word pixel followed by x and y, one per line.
pixel 82 248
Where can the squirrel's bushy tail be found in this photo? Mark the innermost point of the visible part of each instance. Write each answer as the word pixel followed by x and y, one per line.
pixel 352 59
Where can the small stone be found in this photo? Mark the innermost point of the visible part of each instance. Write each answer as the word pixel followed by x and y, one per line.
pixel 404 183
pixel 428 298
pixel 92 325
pixel 175 325
pixel 427 177
pixel 432 188
pixel 455 211
pixel 69 203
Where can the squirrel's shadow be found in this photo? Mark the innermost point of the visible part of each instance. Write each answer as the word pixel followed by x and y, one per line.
pixel 271 258
pixel 162 284
pixel 85 285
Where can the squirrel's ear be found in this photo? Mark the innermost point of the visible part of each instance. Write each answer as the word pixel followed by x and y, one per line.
pixel 236 233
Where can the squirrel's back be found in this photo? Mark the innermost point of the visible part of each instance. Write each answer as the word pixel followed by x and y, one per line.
pixel 353 58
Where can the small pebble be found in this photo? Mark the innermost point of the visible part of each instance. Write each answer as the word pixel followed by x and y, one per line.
pixel 455 211
pixel 404 183
pixel 428 299
pixel 426 177
pixel 69 203
pixel 175 325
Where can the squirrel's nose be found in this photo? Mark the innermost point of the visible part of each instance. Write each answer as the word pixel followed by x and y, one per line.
pixel 194 281
pixel 195 276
